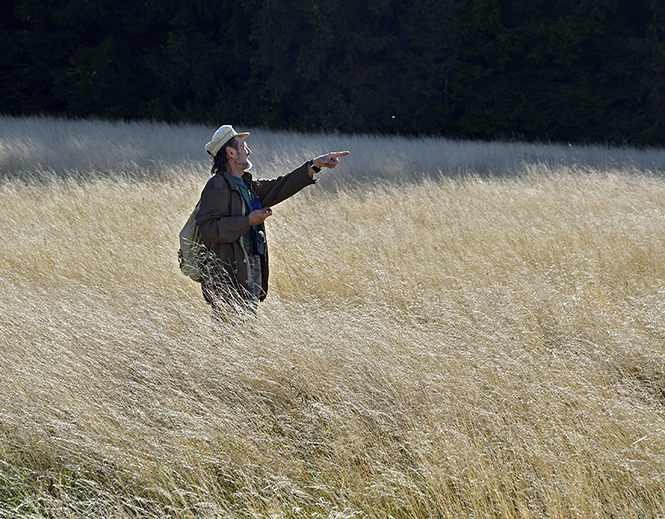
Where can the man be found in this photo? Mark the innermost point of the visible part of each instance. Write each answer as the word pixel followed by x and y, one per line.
pixel 231 219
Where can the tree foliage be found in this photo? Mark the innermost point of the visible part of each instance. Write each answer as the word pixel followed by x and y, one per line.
pixel 562 70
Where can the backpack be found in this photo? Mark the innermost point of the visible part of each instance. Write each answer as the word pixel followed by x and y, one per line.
pixel 191 247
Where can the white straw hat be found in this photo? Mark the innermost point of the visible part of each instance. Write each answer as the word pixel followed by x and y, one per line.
pixel 219 138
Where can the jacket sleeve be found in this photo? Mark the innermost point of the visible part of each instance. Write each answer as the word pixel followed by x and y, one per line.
pixel 215 223
pixel 273 191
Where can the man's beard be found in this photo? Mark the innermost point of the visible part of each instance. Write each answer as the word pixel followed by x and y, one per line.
pixel 246 166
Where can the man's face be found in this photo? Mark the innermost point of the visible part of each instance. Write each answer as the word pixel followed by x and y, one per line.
pixel 241 153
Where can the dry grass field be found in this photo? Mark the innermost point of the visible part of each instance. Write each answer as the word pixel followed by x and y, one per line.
pixel 444 337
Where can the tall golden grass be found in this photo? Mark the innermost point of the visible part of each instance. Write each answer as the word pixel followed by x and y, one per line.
pixel 438 346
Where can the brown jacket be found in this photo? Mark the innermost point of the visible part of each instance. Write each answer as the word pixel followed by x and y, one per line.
pixel 222 224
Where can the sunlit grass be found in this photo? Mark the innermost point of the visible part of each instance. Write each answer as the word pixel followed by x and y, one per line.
pixel 444 346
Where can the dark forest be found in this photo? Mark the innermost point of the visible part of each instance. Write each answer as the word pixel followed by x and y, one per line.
pixel 535 70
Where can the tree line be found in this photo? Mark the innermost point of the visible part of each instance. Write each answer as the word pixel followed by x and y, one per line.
pixel 556 70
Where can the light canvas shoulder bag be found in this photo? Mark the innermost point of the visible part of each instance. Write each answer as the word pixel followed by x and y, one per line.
pixel 191 247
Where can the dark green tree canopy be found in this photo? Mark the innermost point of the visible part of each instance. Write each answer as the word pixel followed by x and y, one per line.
pixel 560 70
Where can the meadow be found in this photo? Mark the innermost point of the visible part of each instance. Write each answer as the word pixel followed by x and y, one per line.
pixel 453 330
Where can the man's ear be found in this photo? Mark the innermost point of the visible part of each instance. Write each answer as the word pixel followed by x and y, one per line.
pixel 231 150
